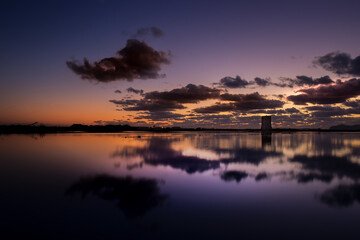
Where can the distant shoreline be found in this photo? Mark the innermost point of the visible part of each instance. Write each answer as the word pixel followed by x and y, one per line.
pixel 28 129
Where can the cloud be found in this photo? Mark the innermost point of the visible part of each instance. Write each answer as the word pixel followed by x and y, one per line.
pixel 147 105
pixel 328 111
pixel 161 116
pixel 136 61
pixel 241 102
pixel 309 81
pixel 292 110
pixel 117 91
pixel 334 93
pixel 272 112
pixel 299 81
pixel 238 82
pixel 230 82
pixel 136 91
pixel 262 82
pixel 189 94
pixel 353 104
pixel 149 31
pixel 156 101
pixel 339 63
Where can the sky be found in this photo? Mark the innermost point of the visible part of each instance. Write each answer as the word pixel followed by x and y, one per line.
pixel 207 63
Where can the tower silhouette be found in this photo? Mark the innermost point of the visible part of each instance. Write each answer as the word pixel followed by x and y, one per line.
pixel 266 123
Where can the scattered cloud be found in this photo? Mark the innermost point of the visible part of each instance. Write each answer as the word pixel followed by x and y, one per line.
pixel 262 81
pixel 136 91
pixel 333 93
pixel 328 111
pixel 238 82
pixel 230 82
pixel 136 61
pixel 241 102
pixel 117 91
pixel 149 31
pixel 301 81
pixel 191 93
pixel 156 101
pixel 292 110
pixel 339 63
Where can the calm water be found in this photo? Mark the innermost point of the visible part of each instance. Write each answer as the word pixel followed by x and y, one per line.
pixel 180 186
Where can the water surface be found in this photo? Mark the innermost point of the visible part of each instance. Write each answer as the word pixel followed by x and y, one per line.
pixel 183 185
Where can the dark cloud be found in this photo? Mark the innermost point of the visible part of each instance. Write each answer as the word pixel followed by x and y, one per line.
pixel 334 93
pixel 262 82
pixel 136 61
pixel 189 94
pixel 339 63
pixel 127 102
pixel 328 111
pixel 230 82
pixel 353 104
pixel 272 112
pixel 301 81
pixel 147 105
pixel 238 82
pixel 218 107
pixel 149 31
pixel 169 100
pixel 292 110
pixel 117 91
pixel 279 96
pixel 136 91
pixel 161 116
pixel 241 102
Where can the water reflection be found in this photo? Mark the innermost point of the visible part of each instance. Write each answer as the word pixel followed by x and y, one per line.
pixel 234 176
pixel 159 152
pixel 240 182
pixel 304 158
pixel 134 197
pixel 341 196
pixel 331 165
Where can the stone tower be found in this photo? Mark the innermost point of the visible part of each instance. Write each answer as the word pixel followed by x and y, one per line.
pixel 266 123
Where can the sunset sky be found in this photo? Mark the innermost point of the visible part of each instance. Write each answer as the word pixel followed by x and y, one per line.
pixel 206 63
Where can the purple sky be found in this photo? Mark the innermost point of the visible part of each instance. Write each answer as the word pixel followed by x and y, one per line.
pixel 179 43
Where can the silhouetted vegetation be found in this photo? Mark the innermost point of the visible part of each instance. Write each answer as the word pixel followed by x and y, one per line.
pixel 42 129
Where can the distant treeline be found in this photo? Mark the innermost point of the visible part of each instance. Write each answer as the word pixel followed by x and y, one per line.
pixel 42 129
pixel 7 129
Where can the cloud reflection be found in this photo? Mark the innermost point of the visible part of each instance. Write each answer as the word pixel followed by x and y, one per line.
pixel 134 196
pixel 301 158
pixel 341 196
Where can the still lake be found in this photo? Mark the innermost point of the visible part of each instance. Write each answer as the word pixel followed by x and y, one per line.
pixel 185 185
